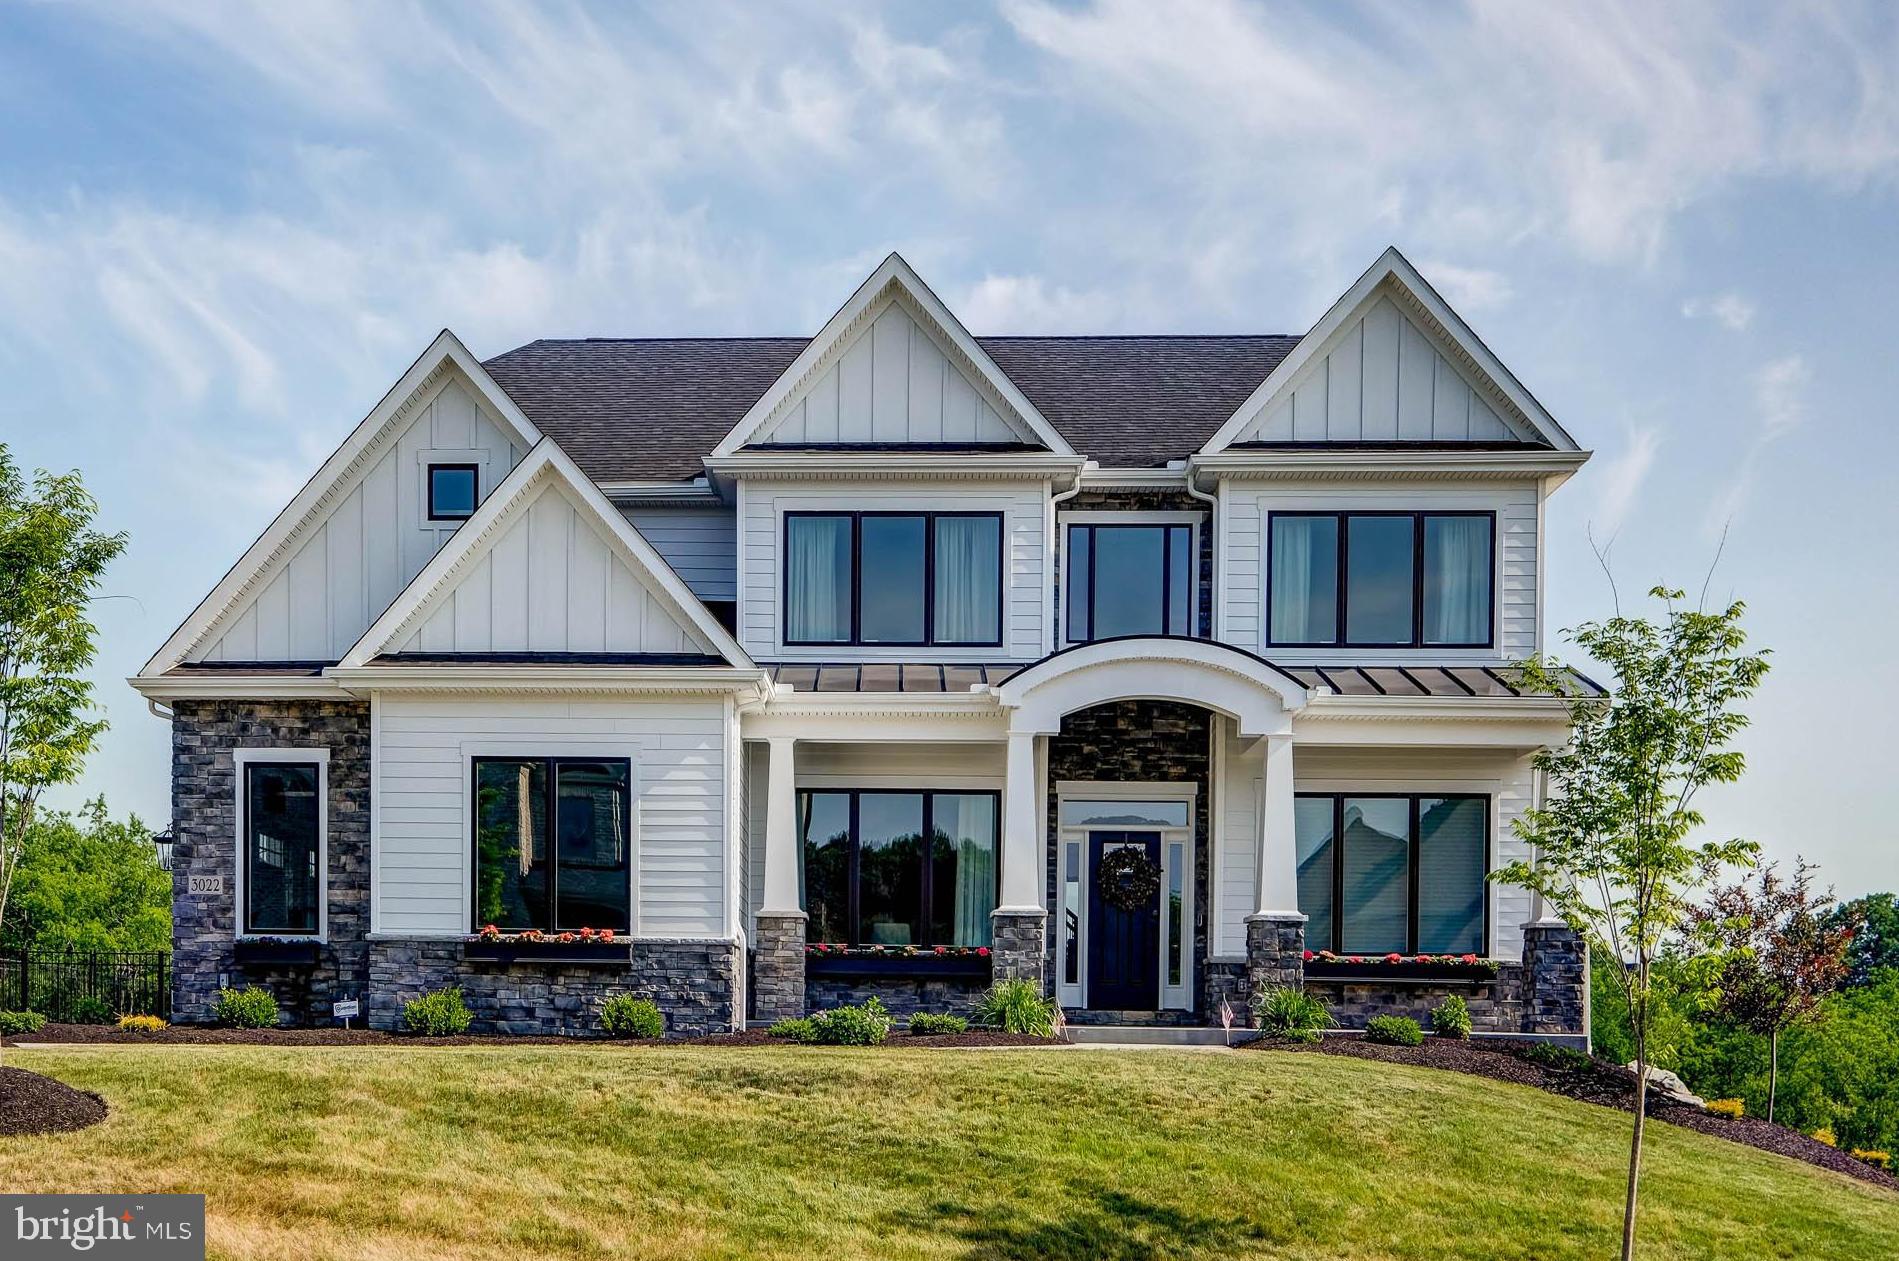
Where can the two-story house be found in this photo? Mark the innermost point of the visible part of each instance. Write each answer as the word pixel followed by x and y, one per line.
pixel 890 660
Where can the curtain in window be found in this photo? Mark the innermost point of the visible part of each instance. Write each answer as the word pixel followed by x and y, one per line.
pixel 963 875
pixel 1451 834
pixel 1456 580
pixel 968 580
pixel 1305 580
pixel 818 581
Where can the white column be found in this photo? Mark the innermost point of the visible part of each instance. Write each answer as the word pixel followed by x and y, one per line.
pixel 1278 893
pixel 1022 825
pixel 781 829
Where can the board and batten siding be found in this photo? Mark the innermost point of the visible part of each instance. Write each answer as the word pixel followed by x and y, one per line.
pixel 1380 379
pixel 422 867
pixel 699 543
pixel 1023 505
pixel 892 383
pixel 352 564
pixel 1508 780
pixel 1243 590
pixel 550 581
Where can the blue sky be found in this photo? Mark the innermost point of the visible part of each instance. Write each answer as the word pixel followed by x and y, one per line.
pixel 224 230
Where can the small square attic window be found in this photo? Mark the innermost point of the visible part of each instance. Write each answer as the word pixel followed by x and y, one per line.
pixel 452 491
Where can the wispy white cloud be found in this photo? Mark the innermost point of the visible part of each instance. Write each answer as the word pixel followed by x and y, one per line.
pixel 1780 406
pixel 1621 480
pixel 1469 289
pixel 1730 310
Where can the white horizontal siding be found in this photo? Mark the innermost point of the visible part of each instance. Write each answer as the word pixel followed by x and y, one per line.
pixel 423 852
pixel 699 543
pixel 350 566
pixel 762 507
pixel 1242 585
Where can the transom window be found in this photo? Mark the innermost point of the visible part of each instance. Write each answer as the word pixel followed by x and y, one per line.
pixel 453 491
pixel 553 843
pixel 897 578
pixel 891 868
pixel 283 847
pixel 1380 873
pixel 1381 579
pixel 1129 580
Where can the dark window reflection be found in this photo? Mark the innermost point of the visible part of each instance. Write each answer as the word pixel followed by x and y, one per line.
pixel 283 821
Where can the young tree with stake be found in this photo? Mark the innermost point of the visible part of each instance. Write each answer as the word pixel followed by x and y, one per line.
pixel 1613 855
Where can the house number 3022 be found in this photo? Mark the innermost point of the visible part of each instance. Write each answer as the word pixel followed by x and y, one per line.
pixel 204 884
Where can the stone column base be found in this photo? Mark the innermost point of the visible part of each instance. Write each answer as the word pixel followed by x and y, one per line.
pixel 778 965
pixel 1275 953
pixel 1017 946
pixel 1555 979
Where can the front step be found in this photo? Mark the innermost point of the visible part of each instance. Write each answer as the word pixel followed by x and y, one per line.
pixel 1155 1035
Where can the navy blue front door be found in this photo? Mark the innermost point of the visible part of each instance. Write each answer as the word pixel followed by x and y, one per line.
pixel 1123 946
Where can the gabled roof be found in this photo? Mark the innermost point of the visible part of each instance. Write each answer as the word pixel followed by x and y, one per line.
pixel 1394 275
pixel 895 281
pixel 545 469
pixel 332 482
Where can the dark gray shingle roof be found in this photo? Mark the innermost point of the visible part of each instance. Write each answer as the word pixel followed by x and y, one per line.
pixel 653 408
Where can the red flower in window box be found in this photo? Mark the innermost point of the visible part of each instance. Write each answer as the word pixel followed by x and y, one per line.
pixel 606 934
pixel 939 950
pixel 1310 956
pixel 1467 958
pixel 982 952
pixel 490 933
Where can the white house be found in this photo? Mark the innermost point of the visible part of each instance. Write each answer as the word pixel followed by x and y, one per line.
pixel 891 660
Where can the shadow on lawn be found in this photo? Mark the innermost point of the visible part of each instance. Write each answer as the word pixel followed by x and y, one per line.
pixel 1102 1223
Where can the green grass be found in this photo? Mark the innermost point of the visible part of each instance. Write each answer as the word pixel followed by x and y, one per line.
pixel 820 1154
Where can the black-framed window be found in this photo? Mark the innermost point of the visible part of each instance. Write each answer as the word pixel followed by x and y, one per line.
pixel 890 867
pixel 1385 872
pixel 1130 579
pixel 283 848
pixel 1381 579
pixel 903 579
pixel 553 843
pixel 454 490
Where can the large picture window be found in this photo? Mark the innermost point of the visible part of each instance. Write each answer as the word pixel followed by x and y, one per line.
pixel 1381 579
pixel 894 868
pixel 1129 580
pixel 900 579
pixel 1380 873
pixel 283 847
pixel 553 843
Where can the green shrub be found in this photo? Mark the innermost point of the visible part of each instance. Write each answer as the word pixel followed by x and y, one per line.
pixel 937 1022
pixel 1564 1059
pixel 1732 1108
pixel 1451 1018
pixel 624 1016
pixel 794 1028
pixel 1017 1006
pixel 13 1023
pixel 1289 1014
pixel 87 1010
pixel 248 1008
pixel 438 1013
pixel 866 1025
pixel 1394 1031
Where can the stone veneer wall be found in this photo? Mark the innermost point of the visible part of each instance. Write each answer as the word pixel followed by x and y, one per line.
pixel 1136 741
pixel 204 825
pixel 903 996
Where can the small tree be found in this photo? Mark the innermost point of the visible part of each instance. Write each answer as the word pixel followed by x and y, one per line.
pixel 1777 952
pixel 1612 838
pixel 1874 921
pixel 51 561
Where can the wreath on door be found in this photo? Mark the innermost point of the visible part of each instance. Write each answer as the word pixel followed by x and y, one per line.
pixel 1128 879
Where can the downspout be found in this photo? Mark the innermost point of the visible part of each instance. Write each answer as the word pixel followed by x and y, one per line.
pixel 1050 610
pixel 157 710
pixel 1214 528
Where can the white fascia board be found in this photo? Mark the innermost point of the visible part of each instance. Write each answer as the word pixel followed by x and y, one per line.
pixel 695 493
pixel 1316 462
pixel 893 271
pixel 1394 268
pixel 325 484
pixel 545 460
pixel 479 678
pixel 1116 478
pixel 231 685
pixel 893 465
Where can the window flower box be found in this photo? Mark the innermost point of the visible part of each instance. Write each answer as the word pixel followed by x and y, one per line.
pixel 287 951
pixel 1326 966
pixel 586 948
pixel 946 962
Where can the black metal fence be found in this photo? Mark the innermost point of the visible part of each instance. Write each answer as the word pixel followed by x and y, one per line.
pixel 81 985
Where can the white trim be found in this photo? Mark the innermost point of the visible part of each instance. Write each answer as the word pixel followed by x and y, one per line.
pixel 546 462
pixel 1453 465
pixel 234 684
pixel 331 481
pixel 1191 670
pixel 549 680
pixel 1393 271
pixel 425 460
pixel 241 758
pixel 892 277
pixel 893 465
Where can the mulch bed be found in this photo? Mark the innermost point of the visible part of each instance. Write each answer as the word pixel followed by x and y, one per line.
pixel 1600 1082
pixel 31 1104
pixel 205 1036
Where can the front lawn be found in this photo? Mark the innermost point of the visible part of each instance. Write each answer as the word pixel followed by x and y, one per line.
pixel 820 1154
